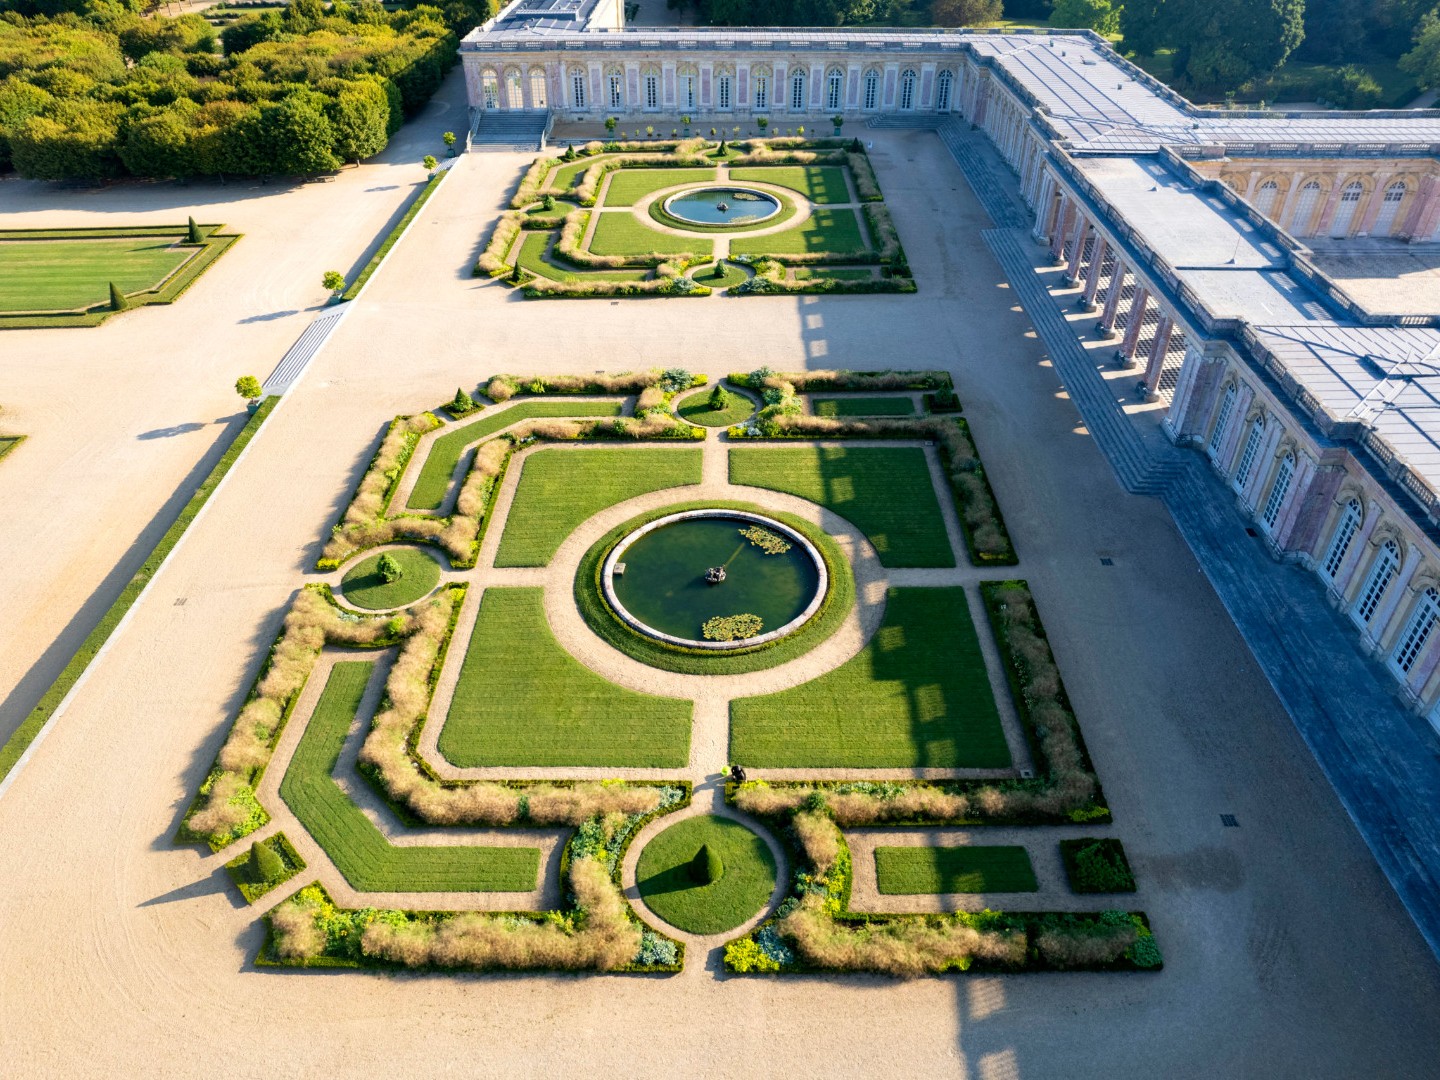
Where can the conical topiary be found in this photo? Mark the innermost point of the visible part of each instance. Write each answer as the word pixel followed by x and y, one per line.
pixel 706 867
pixel 117 298
pixel 192 233
pixel 265 863
pixel 462 402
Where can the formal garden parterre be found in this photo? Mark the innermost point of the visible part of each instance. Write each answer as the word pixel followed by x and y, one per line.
pixel 453 670
pixel 782 215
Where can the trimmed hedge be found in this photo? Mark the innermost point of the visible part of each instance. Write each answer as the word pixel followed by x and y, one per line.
pixel 1097 865
pixel 251 885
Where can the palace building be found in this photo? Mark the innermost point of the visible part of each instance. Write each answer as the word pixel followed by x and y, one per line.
pixel 1181 227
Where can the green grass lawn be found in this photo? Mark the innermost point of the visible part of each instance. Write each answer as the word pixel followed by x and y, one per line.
pixel 696 409
pixel 365 588
pixel 835 231
pixel 559 489
pixel 629 186
pixel 864 406
pixel 663 875
pixel 818 183
pixel 732 275
pixel 916 696
pixel 567 174
pixel 623 234
pixel 523 700
pixel 834 273
pixel 901 871
pixel 884 491
pixel 59 275
pixel 433 482
pixel 358 849
pixel 533 257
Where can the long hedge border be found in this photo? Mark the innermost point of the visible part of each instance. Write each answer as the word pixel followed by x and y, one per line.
pixel 212 245
pixel 9 443
pixel 820 895
pixel 420 198
pixel 30 729
pixel 781 419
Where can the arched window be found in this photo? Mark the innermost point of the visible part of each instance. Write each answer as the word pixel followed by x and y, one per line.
pixel 1265 197
pixel 1389 209
pixel 1340 542
pixel 907 88
pixel 514 89
pixel 1304 208
pixel 1278 490
pixel 834 87
pixel 723 85
pixel 615 82
pixel 1247 456
pixel 651 80
pixel 797 91
pixel 1222 420
pixel 762 89
pixel 872 89
pixel 942 91
pixel 1417 631
pixel 685 89
pixel 1387 565
pixel 490 89
pixel 1345 212
pixel 537 88
pixel 577 89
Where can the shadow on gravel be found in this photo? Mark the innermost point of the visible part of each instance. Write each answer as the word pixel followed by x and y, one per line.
pixel 217 882
pixel 171 432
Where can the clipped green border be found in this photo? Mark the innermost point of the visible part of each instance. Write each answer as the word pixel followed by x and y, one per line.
pixel 1069 849
pixel 239 868
pixel 33 724
pixel 8 443
pixel 212 247
pixel 420 199
pixel 787 200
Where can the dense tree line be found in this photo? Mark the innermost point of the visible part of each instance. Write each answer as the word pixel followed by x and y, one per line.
pixel 98 91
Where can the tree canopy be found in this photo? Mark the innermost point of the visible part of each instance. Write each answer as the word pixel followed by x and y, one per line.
pixel 1218 43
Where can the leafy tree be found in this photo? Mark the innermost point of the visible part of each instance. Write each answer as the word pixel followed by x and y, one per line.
pixel 295 135
pixel 1143 25
pixel 360 114
pixel 448 137
pixel 266 866
pixel 19 100
pixel 159 144
pixel 248 387
pixel 117 298
pixel 389 569
pixel 965 12
pixel 1099 15
pixel 1423 61
pixel 429 162
pixel 1333 29
pixel 1218 43
pixel 719 399
pixel 78 140
pixel 333 280
pixel 462 402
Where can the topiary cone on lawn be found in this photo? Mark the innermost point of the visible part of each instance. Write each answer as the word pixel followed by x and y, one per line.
pixel 117 298
pixel 706 868
pixel 265 864
pixel 193 235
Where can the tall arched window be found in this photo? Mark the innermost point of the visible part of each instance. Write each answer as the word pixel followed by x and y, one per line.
pixel 1265 197
pixel 616 84
pixel 1278 490
pixel 537 88
pixel 1340 542
pixel 1247 456
pixel 1389 209
pixel 1417 631
pixel 797 91
pixel 872 89
pixel 762 89
pixel 1345 212
pixel 651 81
pixel 1387 565
pixel 907 88
pixel 724 83
pixel 514 89
pixel 685 89
pixel 490 89
pixel 577 89
pixel 1222 420
pixel 943 82
pixel 834 88
pixel 1304 208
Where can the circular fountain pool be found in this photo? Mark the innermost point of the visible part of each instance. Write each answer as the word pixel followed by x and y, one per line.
pixel 722 206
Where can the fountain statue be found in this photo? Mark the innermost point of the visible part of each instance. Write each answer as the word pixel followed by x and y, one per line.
pixel 723 207
pixel 715 575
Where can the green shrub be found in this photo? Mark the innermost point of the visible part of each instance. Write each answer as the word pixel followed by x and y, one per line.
pixel 266 866
pixel 389 569
pixel 719 399
pixel 248 387
pixel 673 380
pixel 193 235
pixel 706 868
pixel 462 403
pixel 117 298
pixel 1097 866
pixel 745 955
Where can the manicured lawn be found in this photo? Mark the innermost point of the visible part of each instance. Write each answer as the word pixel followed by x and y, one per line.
pixel 523 700
pixel 696 409
pixel 916 696
pixel 748 880
pixel 58 275
pixel 567 174
pixel 559 489
pixel 8 443
pixel 629 186
pixel 901 871
pixel 884 491
pixel 358 849
pixel 818 183
pixel 834 273
pixel 864 406
pixel 433 483
pixel 532 257
pixel 623 234
pixel 365 588
pixel 836 231
pixel 732 275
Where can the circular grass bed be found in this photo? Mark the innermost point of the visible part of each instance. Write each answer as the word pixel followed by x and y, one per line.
pixel 696 409
pixel 601 618
pixel 788 209
pixel 731 274
pixel 365 588
pixel 738 865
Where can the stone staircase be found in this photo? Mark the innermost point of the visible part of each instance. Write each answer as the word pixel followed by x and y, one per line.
pixel 913 121
pixel 992 182
pixel 510 129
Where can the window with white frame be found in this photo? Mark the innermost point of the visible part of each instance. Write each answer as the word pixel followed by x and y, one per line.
pixel 1247 456
pixel 762 92
pixel 1304 208
pixel 1340 542
pixel 907 89
pixel 1222 420
pixel 834 88
pixel 1389 209
pixel 490 89
pixel 1387 565
pixel 942 91
pixel 617 91
pixel 1278 490
pixel 577 89
pixel 652 91
pixel 1417 631
pixel 687 92
pixel 722 91
pixel 872 89
pixel 1265 197
pixel 537 88
pixel 797 91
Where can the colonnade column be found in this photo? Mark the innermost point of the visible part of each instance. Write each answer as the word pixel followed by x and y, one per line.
pixel 1077 249
pixel 1044 206
pixel 1155 362
pixel 1112 298
pixel 1062 225
pixel 1092 278
pixel 1126 353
